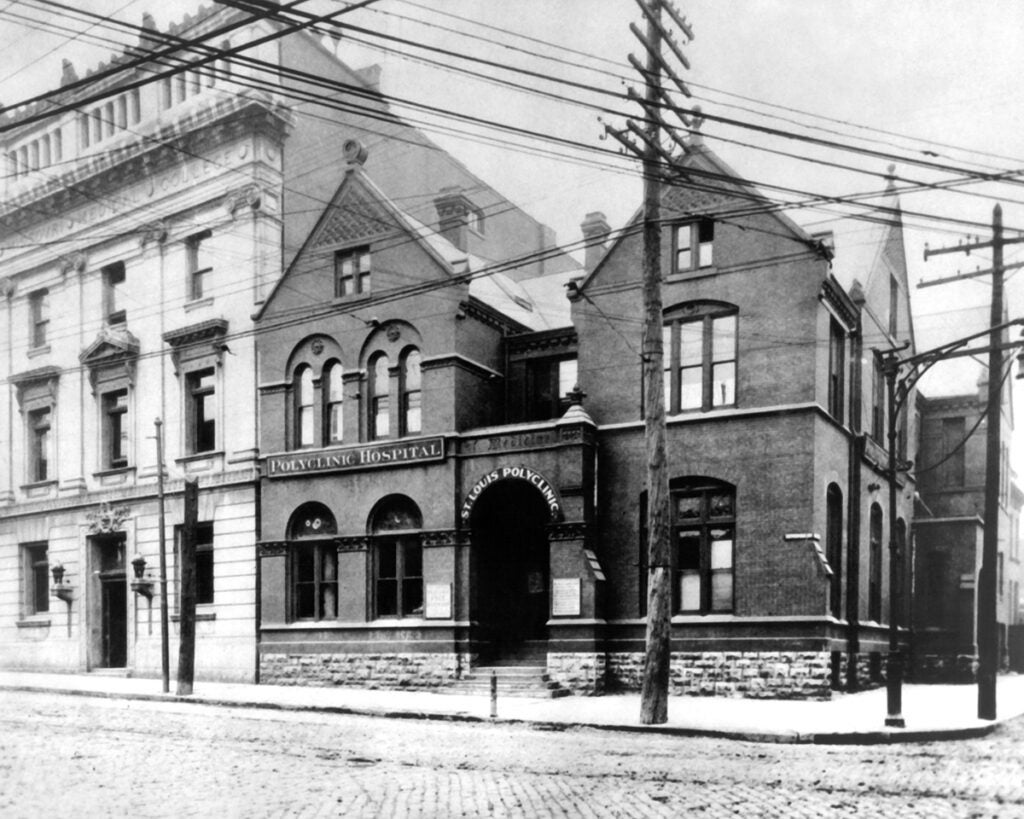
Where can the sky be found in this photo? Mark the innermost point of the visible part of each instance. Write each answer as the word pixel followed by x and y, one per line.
pixel 931 80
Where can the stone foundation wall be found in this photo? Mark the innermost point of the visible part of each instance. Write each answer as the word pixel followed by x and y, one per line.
pixel 579 673
pixel 753 674
pixel 363 670
pixel 945 668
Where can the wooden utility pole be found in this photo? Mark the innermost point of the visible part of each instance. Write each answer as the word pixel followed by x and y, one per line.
pixel 165 659
pixel 986 603
pixel 187 601
pixel 658 653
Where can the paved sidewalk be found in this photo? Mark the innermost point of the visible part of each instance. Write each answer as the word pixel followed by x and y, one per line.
pixel 931 712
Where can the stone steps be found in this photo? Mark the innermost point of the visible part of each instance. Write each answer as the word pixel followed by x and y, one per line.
pixel 512 681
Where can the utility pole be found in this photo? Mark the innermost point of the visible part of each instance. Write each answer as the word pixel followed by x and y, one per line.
pixel 187 606
pixel 988 639
pixel 657 162
pixel 165 660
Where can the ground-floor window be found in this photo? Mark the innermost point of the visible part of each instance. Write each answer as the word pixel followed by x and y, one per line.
pixel 704 520
pixel 314 563
pixel 37 578
pixel 398 557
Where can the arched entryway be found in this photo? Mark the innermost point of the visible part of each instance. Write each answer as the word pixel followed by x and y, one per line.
pixel 510 581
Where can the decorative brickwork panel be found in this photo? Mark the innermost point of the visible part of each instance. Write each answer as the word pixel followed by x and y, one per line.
pixel 353 219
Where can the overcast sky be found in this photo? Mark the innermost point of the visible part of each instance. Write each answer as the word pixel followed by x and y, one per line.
pixel 937 80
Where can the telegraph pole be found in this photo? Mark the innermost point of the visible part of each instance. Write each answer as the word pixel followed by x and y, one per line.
pixel 657 161
pixel 988 632
pixel 165 661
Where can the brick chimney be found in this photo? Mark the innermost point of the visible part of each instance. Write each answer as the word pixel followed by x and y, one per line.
pixel 453 209
pixel 595 229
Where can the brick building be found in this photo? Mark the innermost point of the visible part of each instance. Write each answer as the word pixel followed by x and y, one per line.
pixel 434 499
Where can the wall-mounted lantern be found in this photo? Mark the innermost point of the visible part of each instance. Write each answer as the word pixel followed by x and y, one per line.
pixel 140 585
pixel 61 590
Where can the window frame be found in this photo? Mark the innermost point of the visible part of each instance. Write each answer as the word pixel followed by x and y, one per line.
pixel 205 587
pixel 198 277
pixel 359 275
pixel 36 578
pixel 837 370
pixel 700 237
pixel 115 278
pixel 304 403
pixel 410 394
pixel 703 525
pixel 333 401
pixel 39 318
pixel 706 314
pixel 311 531
pixel 111 410
pixel 196 395
pixel 379 395
pixel 39 424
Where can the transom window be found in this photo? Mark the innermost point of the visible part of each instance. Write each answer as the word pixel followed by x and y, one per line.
pixel 352 272
pixel 694 245
pixel 704 519
pixel 700 357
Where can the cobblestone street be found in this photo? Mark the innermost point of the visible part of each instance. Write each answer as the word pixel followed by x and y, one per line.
pixel 71 756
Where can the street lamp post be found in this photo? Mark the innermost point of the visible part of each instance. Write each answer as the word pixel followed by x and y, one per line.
pixel 894 672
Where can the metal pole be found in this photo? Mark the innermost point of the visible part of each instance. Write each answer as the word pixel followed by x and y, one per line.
pixel 894 673
pixel 165 662
pixel 988 643
pixel 494 695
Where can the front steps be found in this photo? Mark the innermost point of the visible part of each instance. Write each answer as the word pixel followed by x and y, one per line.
pixel 513 681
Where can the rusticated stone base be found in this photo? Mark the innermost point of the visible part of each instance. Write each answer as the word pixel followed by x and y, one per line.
pixel 406 671
pixel 578 673
pixel 945 668
pixel 753 674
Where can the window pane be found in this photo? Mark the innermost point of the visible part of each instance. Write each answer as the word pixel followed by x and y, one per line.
pixel 691 343
pixel 413 412
pixel 305 602
pixel 329 561
pixel 706 237
pixel 689 550
pixel 721 590
pixel 305 563
pixel 387 560
pixel 305 426
pixel 413 555
pixel 723 384
pixel 412 596
pixel 691 388
pixel 684 259
pixel 721 549
pixel 387 598
pixel 336 423
pixel 204 576
pixel 723 338
pixel 328 601
pixel 688 507
pixel 720 506
pixel 568 376
pixel 335 384
pixel 381 418
pixel 689 590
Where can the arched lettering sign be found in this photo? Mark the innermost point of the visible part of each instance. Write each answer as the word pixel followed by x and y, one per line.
pixel 522 473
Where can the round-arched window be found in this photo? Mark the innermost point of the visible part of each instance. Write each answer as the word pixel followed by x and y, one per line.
pixel 312 520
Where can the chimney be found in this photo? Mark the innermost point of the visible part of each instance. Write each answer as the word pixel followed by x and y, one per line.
pixel 370 75
pixel 68 74
pixel 453 210
pixel 149 37
pixel 595 229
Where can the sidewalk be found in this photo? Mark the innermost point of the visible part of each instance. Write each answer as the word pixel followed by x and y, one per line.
pixel 931 712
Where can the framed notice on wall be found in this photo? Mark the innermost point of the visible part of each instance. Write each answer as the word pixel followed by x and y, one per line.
pixel 565 597
pixel 438 603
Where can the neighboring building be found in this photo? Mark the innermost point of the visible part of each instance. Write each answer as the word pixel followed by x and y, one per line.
pixel 435 499
pixel 138 235
pixel 949 531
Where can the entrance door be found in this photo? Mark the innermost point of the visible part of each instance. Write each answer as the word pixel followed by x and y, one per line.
pixel 510 569
pixel 115 621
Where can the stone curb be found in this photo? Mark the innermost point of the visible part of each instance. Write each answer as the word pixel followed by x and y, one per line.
pixel 779 737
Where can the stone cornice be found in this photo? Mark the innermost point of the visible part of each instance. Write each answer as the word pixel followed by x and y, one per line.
pixel 194 333
pixel 560 338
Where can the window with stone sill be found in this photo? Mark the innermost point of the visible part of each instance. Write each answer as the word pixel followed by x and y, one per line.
pixel 201 411
pixel 200 265
pixel 694 244
pixel 114 280
pixel 40 445
pixel 115 440
pixel 36 575
pixel 204 562
pixel 39 310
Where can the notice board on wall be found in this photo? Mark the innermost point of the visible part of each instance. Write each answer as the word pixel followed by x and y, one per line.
pixel 565 597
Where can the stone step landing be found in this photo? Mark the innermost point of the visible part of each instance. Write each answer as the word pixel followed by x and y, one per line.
pixel 513 681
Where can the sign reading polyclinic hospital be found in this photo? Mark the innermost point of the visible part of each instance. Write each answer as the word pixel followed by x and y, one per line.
pixel 522 473
pixel 360 457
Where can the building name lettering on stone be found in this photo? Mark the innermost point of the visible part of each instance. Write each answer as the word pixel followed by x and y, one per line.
pixel 523 473
pixel 279 466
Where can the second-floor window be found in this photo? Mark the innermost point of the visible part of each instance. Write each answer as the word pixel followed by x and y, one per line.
pixel 37 578
pixel 700 357
pixel 352 272
pixel 304 408
pixel 201 399
pixel 877 400
pixel 380 405
pixel 412 395
pixel 334 396
pixel 115 429
pixel 113 294
pixel 40 444
pixel 200 267
pixel 836 370
pixel 39 308
pixel 694 245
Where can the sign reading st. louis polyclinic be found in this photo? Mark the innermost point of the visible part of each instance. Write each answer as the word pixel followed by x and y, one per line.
pixel 523 473
pixel 361 457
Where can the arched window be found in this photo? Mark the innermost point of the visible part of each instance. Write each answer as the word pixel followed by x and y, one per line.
pixel 304 407
pixel 412 407
pixel 380 409
pixel 700 356
pixel 834 546
pixel 398 557
pixel 333 387
pixel 314 563
pixel 875 564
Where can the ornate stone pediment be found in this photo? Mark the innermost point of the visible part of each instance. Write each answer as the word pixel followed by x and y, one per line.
pixel 202 340
pixel 111 357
